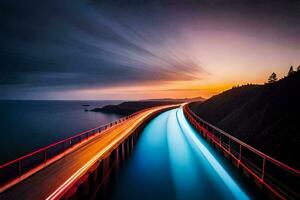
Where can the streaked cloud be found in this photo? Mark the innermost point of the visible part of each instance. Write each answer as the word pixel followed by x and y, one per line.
pixel 52 47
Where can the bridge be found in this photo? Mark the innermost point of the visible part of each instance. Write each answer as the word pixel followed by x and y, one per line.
pixel 81 166
pixel 51 172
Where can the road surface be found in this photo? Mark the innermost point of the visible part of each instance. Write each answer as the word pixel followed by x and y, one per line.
pixel 171 161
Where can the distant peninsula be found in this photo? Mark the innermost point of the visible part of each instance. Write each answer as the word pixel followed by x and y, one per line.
pixel 129 107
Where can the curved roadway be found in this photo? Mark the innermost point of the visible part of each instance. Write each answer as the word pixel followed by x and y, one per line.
pixel 50 181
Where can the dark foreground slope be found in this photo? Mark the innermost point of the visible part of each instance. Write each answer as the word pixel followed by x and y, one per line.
pixel 264 116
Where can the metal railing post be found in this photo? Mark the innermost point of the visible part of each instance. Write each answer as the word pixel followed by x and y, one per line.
pixel 263 169
pixel 45 156
pixel 64 146
pixel 240 155
pixel 20 167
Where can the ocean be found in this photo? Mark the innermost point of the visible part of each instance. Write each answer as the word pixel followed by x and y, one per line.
pixel 26 126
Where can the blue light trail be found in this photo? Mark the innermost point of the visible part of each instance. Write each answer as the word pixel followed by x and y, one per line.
pixel 171 161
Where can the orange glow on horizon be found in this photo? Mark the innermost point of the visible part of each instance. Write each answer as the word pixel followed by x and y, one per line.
pixel 183 89
pixel 206 87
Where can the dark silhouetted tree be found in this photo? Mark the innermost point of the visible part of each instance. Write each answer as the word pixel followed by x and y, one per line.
pixel 298 68
pixel 272 78
pixel 291 71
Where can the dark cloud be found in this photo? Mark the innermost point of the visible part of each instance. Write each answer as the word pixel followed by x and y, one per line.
pixel 68 44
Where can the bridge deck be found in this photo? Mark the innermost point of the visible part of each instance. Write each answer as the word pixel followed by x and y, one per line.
pixel 43 183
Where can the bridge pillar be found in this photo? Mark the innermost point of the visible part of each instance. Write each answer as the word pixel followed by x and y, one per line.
pixel 114 162
pixel 117 158
pixel 105 177
pixel 100 172
pixel 127 148
pixel 131 143
pixel 135 137
pixel 99 178
pixel 123 151
pixel 105 170
pixel 92 181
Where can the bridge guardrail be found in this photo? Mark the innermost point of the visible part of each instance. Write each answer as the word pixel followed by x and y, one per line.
pixel 20 166
pixel 282 180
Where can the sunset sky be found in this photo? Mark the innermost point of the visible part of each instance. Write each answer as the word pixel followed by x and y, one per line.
pixel 93 49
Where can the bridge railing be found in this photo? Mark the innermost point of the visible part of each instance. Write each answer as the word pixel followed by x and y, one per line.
pixel 282 180
pixel 39 158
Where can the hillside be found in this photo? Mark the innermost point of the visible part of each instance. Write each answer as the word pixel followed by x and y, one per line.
pixel 264 116
pixel 129 107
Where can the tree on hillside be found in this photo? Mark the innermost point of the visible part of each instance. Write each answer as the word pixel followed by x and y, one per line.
pixel 291 71
pixel 272 78
pixel 298 68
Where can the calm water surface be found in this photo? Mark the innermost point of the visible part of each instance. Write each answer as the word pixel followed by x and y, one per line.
pixel 28 125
